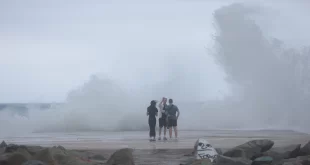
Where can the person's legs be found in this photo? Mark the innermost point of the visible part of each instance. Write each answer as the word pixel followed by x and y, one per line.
pixel 152 124
pixel 153 128
pixel 170 129
pixel 173 124
pixel 167 122
pixel 175 131
pixel 165 130
pixel 175 127
pixel 161 124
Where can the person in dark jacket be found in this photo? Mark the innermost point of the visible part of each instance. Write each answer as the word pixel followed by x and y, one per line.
pixel 152 112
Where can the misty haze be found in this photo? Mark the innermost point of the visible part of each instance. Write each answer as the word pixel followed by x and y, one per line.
pixel 94 66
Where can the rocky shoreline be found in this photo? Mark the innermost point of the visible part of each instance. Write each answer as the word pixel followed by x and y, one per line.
pixel 255 152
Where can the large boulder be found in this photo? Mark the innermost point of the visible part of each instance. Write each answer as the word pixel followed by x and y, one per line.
pixel 13 147
pixel 224 160
pixel 32 150
pixel 121 157
pixel 302 160
pixel 24 152
pixel 251 149
pixel 46 156
pixel 305 150
pixel 287 152
pixel 57 156
pixel 203 149
pixel 13 159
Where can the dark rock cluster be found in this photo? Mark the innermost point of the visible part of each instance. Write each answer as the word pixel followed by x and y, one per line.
pixel 261 152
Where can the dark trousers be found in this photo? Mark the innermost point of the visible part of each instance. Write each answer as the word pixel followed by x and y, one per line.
pixel 152 124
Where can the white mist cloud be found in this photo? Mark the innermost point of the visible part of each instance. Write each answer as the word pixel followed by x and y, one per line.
pixel 143 51
pixel 48 48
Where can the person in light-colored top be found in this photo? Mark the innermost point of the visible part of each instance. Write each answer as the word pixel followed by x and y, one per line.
pixel 162 117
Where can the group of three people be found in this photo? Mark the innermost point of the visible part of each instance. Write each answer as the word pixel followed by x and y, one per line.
pixel 168 118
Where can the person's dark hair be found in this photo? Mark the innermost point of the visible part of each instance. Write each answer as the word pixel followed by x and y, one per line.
pixel 170 101
pixel 153 103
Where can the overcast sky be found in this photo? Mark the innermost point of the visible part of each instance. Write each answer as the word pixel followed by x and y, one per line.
pixel 48 48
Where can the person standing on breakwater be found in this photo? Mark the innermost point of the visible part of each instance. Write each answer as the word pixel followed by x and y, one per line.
pixel 163 117
pixel 152 112
pixel 173 116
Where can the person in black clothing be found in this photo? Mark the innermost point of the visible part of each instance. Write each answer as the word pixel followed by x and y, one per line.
pixel 152 112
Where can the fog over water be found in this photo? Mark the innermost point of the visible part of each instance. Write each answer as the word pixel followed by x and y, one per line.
pixel 227 64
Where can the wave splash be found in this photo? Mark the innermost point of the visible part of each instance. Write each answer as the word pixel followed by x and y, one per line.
pixel 270 82
pixel 269 85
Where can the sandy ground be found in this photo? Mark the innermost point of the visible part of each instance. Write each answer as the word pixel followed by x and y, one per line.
pixel 150 153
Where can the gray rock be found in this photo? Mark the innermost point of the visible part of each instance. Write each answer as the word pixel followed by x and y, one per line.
pixel 13 159
pixel 24 152
pixel 61 147
pixel 291 151
pixel 293 161
pixel 3 144
pixel 251 149
pixel 219 151
pixel 122 156
pixel 305 150
pixel 11 148
pixel 33 162
pixel 32 150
